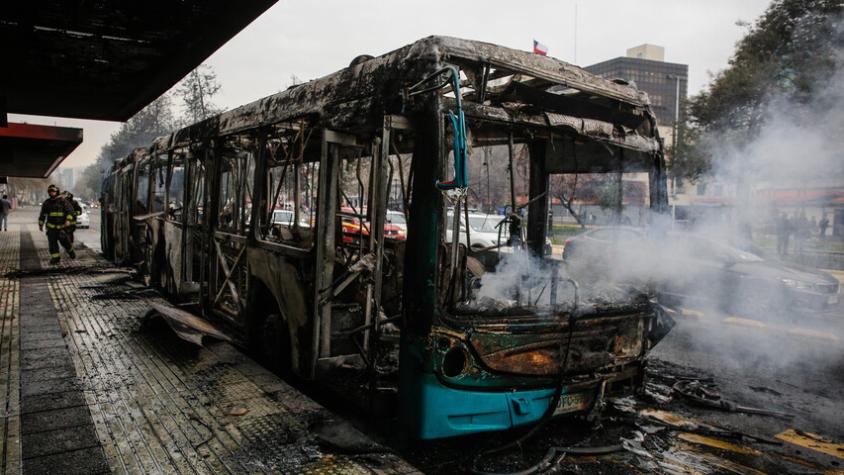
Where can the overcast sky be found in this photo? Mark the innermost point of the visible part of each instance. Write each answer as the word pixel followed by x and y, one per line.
pixel 314 38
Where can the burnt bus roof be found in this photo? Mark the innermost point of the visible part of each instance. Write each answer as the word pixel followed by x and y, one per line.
pixel 355 98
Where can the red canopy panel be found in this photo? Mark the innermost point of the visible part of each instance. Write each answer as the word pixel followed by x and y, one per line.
pixel 34 151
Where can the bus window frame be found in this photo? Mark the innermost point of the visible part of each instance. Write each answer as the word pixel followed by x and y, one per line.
pixel 143 167
pixel 177 157
pixel 263 198
pixel 159 169
pixel 263 192
pixel 241 230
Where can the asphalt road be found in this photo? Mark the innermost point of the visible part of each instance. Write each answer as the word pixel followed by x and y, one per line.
pixel 91 236
pixel 795 368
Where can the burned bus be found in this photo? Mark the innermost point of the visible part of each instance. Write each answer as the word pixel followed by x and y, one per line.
pixel 274 218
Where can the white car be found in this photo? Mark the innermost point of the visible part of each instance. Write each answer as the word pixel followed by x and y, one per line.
pixel 84 219
pixel 397 218
pixel 482 230
pixel 285 218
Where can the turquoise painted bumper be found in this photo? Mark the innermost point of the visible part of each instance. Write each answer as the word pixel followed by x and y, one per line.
pixel 441 411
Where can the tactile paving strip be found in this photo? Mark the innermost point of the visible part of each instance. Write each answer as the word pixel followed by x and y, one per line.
pixel 161 405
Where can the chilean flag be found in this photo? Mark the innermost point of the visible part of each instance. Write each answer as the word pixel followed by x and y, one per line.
pixel 539 48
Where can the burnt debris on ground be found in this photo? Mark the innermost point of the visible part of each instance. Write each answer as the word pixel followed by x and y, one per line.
pixel 663 429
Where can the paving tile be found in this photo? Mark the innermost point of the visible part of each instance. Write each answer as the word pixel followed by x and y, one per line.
pixel 54 372
pixel 54 419
pixel 41 335
pixel 47 386
pixel 59 440
pixel 56 359
pixel 106 397
pixel 83 461
pixel 57 342
pixel 46 402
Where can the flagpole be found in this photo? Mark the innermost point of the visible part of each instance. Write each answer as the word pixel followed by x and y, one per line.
pixel 575 32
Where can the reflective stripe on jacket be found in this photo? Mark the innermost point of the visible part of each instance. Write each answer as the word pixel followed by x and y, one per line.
pixel 55 212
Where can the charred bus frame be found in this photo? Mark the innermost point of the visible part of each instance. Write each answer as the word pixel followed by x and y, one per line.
pixel 249 213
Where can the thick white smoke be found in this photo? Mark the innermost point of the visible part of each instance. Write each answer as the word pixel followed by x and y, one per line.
pixel 798 144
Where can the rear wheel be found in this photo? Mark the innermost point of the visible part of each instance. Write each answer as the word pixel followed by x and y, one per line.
pixel 271 339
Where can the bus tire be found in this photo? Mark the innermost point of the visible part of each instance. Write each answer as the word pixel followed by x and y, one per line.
pixel 274 342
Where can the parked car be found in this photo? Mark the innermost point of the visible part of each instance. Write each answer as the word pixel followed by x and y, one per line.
pixel 354 228
pixel 484 231
pixel 697 269
pixel 285 217
pixel 84 219
pixel 397 218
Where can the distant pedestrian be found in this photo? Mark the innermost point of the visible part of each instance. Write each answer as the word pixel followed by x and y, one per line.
pixel 801 232
pixel 5 209
pixel 823 224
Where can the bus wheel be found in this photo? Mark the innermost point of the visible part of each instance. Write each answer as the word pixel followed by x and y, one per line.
pixel 274 342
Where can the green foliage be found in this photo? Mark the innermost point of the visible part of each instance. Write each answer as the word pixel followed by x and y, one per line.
pixel 689 159
pixel 196 92
pixel 155 120
pixel 786 54
pixel 151 122
pixel 88 185
pixel 789 54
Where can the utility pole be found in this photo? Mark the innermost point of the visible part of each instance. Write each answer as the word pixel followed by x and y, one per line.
pixel 675 134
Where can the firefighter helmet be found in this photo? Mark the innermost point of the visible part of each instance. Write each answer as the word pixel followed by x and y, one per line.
pixel 52 188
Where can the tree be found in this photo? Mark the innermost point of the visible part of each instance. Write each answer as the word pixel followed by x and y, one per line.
pixel 88 184
pixel 27 190
pixel 140 130
pixel 601 189
pixel 152 121
pixel 689 157
pixel 196 93
pixel 787 57
pixel 787 53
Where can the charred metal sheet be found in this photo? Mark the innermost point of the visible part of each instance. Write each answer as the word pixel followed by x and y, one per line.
pixel 187 326
pixel 345 100
pixel 148 216
pixel 280 277
pixel 173 243
pixel 599 343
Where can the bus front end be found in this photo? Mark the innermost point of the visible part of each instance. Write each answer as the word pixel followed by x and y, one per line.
pixel 512 151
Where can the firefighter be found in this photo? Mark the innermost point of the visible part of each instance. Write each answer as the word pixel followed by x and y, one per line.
pixel 57 214
pixel 77 211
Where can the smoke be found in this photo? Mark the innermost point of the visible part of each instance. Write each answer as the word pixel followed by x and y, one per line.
pixel 761 308
pixel 523 280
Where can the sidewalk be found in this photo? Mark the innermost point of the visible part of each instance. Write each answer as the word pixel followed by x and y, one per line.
pixel 86 391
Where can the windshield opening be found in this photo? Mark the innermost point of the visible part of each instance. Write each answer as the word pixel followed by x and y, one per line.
pixel 518 212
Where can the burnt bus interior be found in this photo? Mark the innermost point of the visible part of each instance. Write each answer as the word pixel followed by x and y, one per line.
pixel 283 221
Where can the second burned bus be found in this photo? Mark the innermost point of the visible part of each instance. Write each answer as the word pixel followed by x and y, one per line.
pixel 267 216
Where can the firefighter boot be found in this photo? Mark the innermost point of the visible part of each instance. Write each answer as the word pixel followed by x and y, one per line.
pixel 71 253
pixel 55 260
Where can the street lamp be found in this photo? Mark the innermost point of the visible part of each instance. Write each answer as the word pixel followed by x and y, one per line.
pixel 674 135
pixel 674 129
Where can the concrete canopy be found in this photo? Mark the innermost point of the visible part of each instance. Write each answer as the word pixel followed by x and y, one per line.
pixel 101 60
pixel 34 151
pixel 107 59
